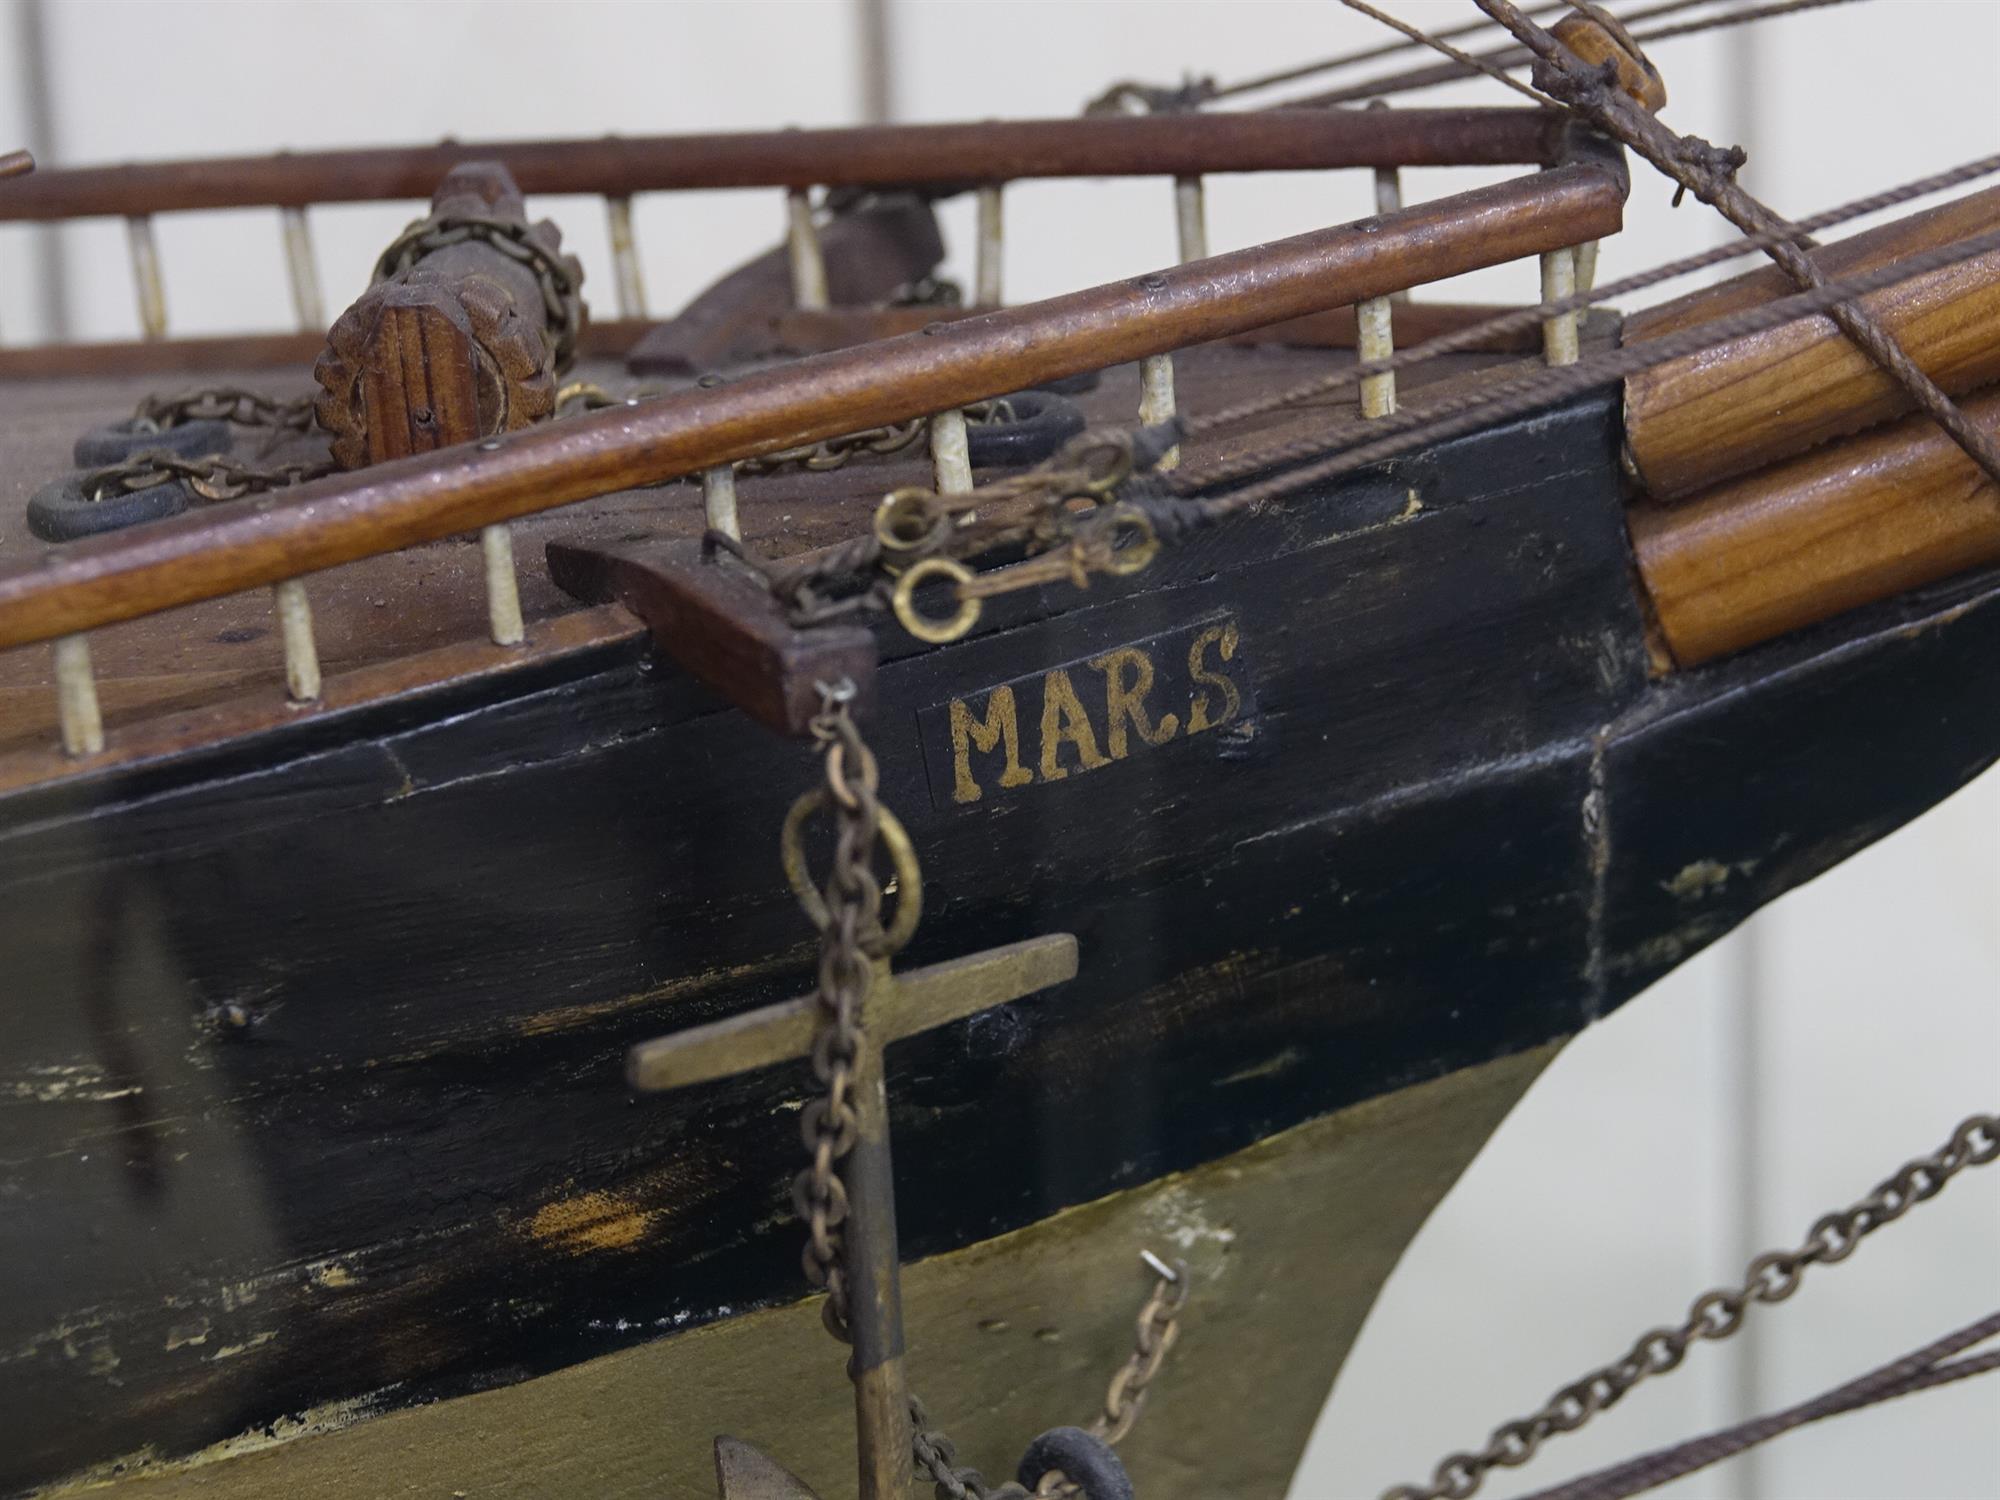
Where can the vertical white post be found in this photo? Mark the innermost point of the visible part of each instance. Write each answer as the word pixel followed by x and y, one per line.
pixel 991 245
pixel 76 698
pixel 718 500
pixel 1156 398
pixel 1586 266
pixel 1156 372
pixel 1191 217
pixel 146 276
pixel 295 627
pixel 302 270
pixel 808 264
pixel 1559 342
pixel 1376 340
pixel 625 259
pixel 503 589
pixel 951 458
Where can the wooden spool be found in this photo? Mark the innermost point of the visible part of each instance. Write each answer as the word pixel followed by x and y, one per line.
pixel 457 346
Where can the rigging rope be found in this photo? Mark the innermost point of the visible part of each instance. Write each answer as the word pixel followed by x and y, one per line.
pixel 1461 65
pixel 1392 436
pixel 1923 1370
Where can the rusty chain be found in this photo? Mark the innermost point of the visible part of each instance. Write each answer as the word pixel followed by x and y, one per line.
pixel 1158 1327
pixel 814 458
pixel 1716 1314
pixel 1064 511
pixel 224 403
pixel 850 938
pixel 215 477
pixel 562 302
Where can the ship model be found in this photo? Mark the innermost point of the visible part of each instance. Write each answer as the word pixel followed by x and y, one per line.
pixel 1261 715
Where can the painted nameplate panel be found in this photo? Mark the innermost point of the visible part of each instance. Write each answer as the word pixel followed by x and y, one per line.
pixel 1086 714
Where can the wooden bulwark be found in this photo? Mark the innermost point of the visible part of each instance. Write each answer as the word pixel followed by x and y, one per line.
pixel 248 543
pixel 877 156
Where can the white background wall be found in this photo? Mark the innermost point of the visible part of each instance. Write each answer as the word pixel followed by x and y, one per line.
pixel 1775 1076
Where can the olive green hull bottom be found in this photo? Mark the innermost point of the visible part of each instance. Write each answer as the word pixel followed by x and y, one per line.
pixel 1288 1243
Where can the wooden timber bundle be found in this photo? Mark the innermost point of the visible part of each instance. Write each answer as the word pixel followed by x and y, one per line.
pixel 1779 486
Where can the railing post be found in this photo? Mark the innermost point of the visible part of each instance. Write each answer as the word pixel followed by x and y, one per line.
pixel 808 264
pixel 302 270
pixel 625 259
pixel 1586 266
pixel 1156 372
pixel 503 589
pixel 151 290
pixel 76 697
pixel 986 281
pixel 718 500
pixel 295 627
pixel 1376 339
pixel 1559 339
pixel 951 457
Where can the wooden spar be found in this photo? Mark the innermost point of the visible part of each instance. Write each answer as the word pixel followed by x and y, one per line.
pixel 247 543
pixel 1836 528
pixel 878 156
pixel 1750 402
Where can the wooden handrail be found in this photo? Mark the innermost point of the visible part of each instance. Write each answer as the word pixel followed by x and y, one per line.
pixel 243 544
pixel 873 156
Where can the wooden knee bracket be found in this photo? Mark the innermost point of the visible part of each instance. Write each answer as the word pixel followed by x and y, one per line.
pixel 713 614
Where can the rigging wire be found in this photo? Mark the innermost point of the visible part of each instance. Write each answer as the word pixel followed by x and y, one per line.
pixel 1463 65
pixel 1401 432
pixel 1450 33
pixel 1525 318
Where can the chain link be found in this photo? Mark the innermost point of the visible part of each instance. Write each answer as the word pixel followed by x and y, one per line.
pixel 815 458
pixel 557 275
pixel 216 477
pixel 224 403
pixel 1771 1277
pixel 850 940
pixel 1158 1328
pixel 1064 502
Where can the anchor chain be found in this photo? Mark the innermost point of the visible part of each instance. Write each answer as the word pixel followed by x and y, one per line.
pixel 217 477
pixel 1158 1326
pixel 1771 1277
pixel 555 274
pixel 224 403
pixel 851 937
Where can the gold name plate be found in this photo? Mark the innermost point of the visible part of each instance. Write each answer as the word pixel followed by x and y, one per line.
pixel 1086 714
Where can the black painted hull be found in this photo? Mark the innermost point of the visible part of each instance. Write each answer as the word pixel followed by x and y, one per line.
pixel 1451 819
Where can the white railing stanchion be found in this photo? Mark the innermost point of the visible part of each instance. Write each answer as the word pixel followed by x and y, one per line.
pixel 1559 337
pixel 1586 266
pixel 76 697
pixel 1191 217
pixel 1376 339
pixel 302 272
pixel 152 291
pixel 951 456
pixel 992 243
pixel 1156 371
pixel 718 500
pixel 295 628
pixel 625 259
pixel 808 264
pixel 503 588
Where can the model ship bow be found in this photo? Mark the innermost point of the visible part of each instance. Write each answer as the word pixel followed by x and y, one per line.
pixel 1206 739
